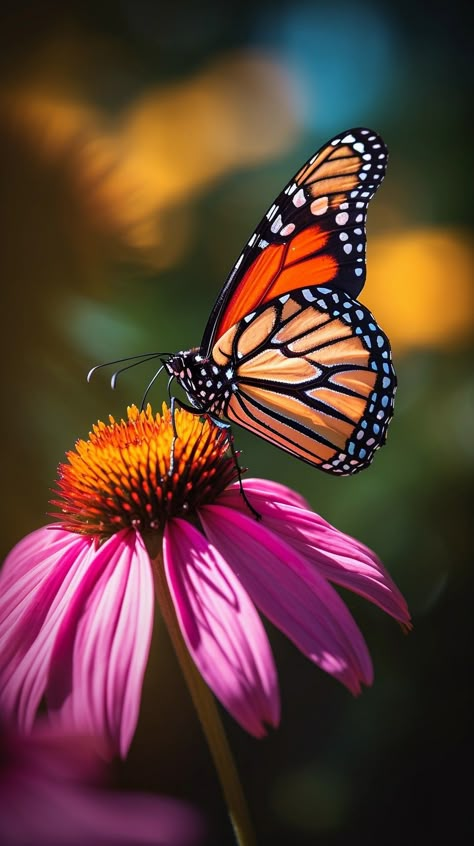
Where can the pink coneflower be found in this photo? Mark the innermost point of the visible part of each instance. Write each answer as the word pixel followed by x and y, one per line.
pixel 77 598
pixel 52 794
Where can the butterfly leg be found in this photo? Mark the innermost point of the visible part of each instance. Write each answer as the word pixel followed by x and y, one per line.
pixel 174 401
pixel 221 424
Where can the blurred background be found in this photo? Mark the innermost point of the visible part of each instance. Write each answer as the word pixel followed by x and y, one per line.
pixel 140 144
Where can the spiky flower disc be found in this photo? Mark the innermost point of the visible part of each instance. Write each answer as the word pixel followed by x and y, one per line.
pixel 124 475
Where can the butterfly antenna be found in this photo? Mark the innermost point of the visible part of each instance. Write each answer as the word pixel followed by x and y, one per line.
pixel 116 374
pixel 139 359
pixel 150 384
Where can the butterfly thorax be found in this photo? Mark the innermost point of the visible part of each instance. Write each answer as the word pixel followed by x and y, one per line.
pixel 208 386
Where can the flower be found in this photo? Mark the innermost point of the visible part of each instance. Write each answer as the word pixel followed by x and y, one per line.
pixel 76 598
pixel 51 794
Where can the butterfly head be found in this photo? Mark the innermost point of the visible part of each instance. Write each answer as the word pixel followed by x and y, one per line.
pixel 207 386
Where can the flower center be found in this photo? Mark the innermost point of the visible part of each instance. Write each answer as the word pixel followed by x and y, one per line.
pixel 131 475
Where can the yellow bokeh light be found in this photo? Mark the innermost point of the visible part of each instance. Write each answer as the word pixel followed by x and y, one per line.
pixel 167 144
pixel 419 287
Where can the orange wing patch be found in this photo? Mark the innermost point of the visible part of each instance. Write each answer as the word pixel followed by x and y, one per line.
pixel 351 407
pixel 321 336
pixel 304 379
pixel 223 350
pixel 333 172
pixel 273 365
pixel 348 351
pixel 318 423
pixel 278 270
pixel 360 381
pixel 278 431
pixel 257 332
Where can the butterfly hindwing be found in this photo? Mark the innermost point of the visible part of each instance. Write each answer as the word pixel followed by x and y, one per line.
pixel 314 376
pixel 313 234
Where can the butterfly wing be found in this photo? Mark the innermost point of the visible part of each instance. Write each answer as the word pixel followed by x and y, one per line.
pixel 313 375
pixel 314 231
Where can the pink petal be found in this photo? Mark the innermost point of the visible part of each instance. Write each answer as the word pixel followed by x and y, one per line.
pixel 291 594
pixel 222 630
pixel 101 649
pixel 48 797
pixel 262 489
pixel 337 556
pixel 39 577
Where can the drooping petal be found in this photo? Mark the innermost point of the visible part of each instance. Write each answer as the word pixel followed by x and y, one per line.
pixel 337 556
pixel 39 578
pixel 221 628
pixel 262 489
pixel 101 649
pixel 291 593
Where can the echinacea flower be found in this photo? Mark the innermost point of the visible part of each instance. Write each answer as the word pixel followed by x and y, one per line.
pixel 77 597
pixel 52 794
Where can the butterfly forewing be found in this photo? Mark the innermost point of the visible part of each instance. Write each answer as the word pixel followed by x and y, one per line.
pixel 313 375
pixel 313 234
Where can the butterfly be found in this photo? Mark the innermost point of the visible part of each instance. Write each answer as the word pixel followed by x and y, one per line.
pixel 288 351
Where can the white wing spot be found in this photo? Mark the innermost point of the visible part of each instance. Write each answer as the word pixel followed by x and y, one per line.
pixel 299 199
pixel 272 212
pixel 277 224
pixel 320 206
pixel 342 218
pixel 288 229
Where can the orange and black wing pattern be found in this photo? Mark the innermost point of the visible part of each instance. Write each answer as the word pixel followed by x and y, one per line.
pixel 312 235
pixel 313 375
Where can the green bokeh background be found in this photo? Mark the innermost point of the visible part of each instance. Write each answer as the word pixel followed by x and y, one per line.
pixel 388 767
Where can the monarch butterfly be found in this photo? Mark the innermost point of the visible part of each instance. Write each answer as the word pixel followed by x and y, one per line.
pixel 288 352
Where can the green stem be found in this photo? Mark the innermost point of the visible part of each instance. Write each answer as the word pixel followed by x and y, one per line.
pixel 206 708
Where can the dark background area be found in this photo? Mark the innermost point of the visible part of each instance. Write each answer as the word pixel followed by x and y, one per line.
pixel 140 143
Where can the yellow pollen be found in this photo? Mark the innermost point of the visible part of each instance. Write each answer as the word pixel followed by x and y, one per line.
pixel 136 474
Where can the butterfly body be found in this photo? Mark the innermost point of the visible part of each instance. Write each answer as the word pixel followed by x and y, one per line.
pixel 207 385
pixel 288 351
